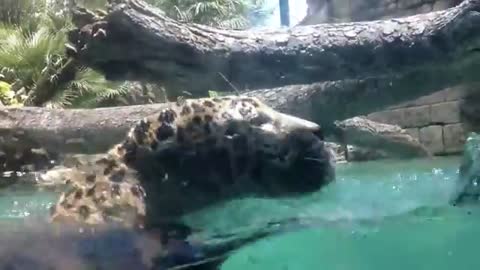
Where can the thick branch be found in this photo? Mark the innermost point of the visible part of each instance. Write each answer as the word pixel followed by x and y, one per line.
pixel 93 131
pixel 137 41
pixel 84 131
pixel 327 102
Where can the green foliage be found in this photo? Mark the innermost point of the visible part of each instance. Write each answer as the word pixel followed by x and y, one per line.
pixel 28 55
pixel 34 51
pixel 33 34
pixel 6 92
pixel 232 14
pixel 15 12
pixel 7 95
pixel 88 90
pixel 213 94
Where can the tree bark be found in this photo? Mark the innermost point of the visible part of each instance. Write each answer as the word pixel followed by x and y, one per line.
pixel 96 130
pixel 136 41
pixel 75 130
pixel 327 102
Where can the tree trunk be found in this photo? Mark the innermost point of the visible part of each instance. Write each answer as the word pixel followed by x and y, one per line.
pixel 136 41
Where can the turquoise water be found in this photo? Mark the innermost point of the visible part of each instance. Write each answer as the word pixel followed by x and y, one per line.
pixel 19 202
pixel 363 191
pixel 377 215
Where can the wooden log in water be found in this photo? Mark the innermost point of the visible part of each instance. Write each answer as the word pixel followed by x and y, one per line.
pixel 96 130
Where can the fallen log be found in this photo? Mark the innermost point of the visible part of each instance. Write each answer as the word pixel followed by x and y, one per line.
pixel 69 130
pixel 96 130
pixel 136 41
pixel 327 102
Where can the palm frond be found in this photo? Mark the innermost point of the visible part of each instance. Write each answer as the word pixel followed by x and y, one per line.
pixel 28 54
pixel 231 14
pixel 234 23
pixel 89 89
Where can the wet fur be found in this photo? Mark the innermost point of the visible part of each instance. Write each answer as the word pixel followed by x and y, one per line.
pixel 191 155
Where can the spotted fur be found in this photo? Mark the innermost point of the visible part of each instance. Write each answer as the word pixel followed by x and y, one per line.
pixel 220 147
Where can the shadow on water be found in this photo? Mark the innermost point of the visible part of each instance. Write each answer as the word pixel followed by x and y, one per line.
pixel 377 215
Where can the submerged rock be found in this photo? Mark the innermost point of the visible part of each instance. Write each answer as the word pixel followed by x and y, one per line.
pixel 468 187
pixel 355 153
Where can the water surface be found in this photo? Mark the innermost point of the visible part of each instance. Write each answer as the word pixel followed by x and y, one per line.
pixel 377 215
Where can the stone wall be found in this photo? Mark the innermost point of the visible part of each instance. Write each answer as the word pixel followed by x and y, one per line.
pixel 436 120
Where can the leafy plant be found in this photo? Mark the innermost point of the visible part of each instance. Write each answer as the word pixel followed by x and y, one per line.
pixel 88 90
pixel 232 14
pixel 27 56
pixel 15 12
pixel 33 34
pixel 213 94
pixel 7 95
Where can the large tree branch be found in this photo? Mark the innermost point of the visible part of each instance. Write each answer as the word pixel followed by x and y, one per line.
pixel 95 130
pixel 327 102
pixel 83 131
pixel 137 41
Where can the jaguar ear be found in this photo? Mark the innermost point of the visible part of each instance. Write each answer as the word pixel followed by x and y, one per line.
pixel 289 122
